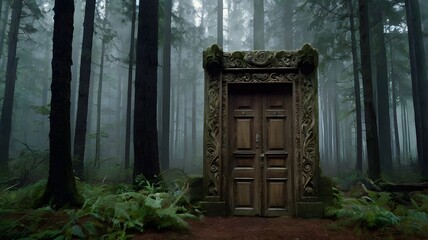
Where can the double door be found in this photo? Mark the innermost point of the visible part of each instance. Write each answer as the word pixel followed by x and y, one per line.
pixel 260 149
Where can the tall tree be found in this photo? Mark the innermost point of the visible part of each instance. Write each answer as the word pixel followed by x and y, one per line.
pixel 85 76
pixel 288 24
pixel 357 94
pixel 129 92
pixel 9 90
pixel 220 23
pixel 4 17
pixel 382 97
pixel 61 188
pixel 419 81
pixel 146 156
pixel 166 87
pixel 369 112
pixel 259 32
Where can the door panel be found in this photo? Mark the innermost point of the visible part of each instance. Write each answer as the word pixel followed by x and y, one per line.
pixel 260 136
pixel 244 175
pixel 278 131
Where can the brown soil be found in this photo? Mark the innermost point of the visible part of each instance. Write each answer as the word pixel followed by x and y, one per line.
pixel 255 228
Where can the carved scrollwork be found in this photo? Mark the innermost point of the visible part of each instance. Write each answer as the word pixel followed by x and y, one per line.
pixel 257 59
pixel 212 144
pixel 309 137
pixel 259 77
pixel 296 67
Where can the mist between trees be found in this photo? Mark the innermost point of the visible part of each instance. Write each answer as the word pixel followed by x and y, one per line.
pixel 397 37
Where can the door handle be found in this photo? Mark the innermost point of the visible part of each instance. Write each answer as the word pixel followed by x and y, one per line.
pixel 257 137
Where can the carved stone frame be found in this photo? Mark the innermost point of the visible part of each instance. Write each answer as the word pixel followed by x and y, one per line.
pixel 298 68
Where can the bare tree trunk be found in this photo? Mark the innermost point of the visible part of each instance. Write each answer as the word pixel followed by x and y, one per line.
pixel 146 153
pixel 76 55
pixel 220 23
pixel 3 30
pixel 9 90
pixel 129 92
pixel 61 187
pixel 99 94
pixel 259 31
pixel 357 94
pixel 370 116
pixel 384 122
pixel 419 81
pixel 119 112
pixel 288 24
pixel 166 88
pixel 85 76
pixel 395 86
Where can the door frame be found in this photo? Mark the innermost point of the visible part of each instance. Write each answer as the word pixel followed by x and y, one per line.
pixel 298 68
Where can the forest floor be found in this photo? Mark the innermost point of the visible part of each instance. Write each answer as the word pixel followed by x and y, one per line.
pixel 255 228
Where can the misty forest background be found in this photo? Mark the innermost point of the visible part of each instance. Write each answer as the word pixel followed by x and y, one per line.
pixel 331 26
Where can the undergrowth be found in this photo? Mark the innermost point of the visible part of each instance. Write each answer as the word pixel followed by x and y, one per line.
pixel 109 212
pixel 396 215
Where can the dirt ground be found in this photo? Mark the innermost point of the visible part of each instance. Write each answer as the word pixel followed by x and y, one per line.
pixel 255 228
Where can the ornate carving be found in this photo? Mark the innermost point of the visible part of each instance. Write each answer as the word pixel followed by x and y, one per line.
pixel 212 131
pixel 257 59
pixel 245 77
pixel 295 67
pixel 309 137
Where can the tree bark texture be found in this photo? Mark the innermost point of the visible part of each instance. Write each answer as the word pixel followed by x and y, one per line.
pixel 259 31
pixel 9 90
pixel 220 23
pixel 129 91
pixel 166 88
pixel 419 81
pixel 85 76
pixel 369 112
pixel 146 156
pixel 288 24
pixel 61 187
pixel 384 122
pixel 3 29
pixel 357 93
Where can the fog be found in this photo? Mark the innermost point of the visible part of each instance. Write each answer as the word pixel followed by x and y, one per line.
pixel 288 24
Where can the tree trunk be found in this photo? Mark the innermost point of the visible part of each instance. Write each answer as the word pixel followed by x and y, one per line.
pixel 370 116
pixel 384 122
pixel 9 90
pixel 129 92
pixel 61 187
pixel 77 51
pixel 166 88
pixel 357 94
pixel 288 24
pixel 419 81
pixel 220 23
pixel 119 112
pixel 394 88
pixel 146 156
pixel 3 30
pixel 99 94
pixel 85 76
pixel 259 31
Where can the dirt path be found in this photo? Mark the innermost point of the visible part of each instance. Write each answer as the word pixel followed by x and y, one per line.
pixel 254 228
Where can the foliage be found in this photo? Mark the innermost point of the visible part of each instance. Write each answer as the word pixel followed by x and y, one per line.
pixel 109 212
pixel 381 211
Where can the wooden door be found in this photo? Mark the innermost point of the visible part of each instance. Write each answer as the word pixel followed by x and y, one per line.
pixel 259 144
